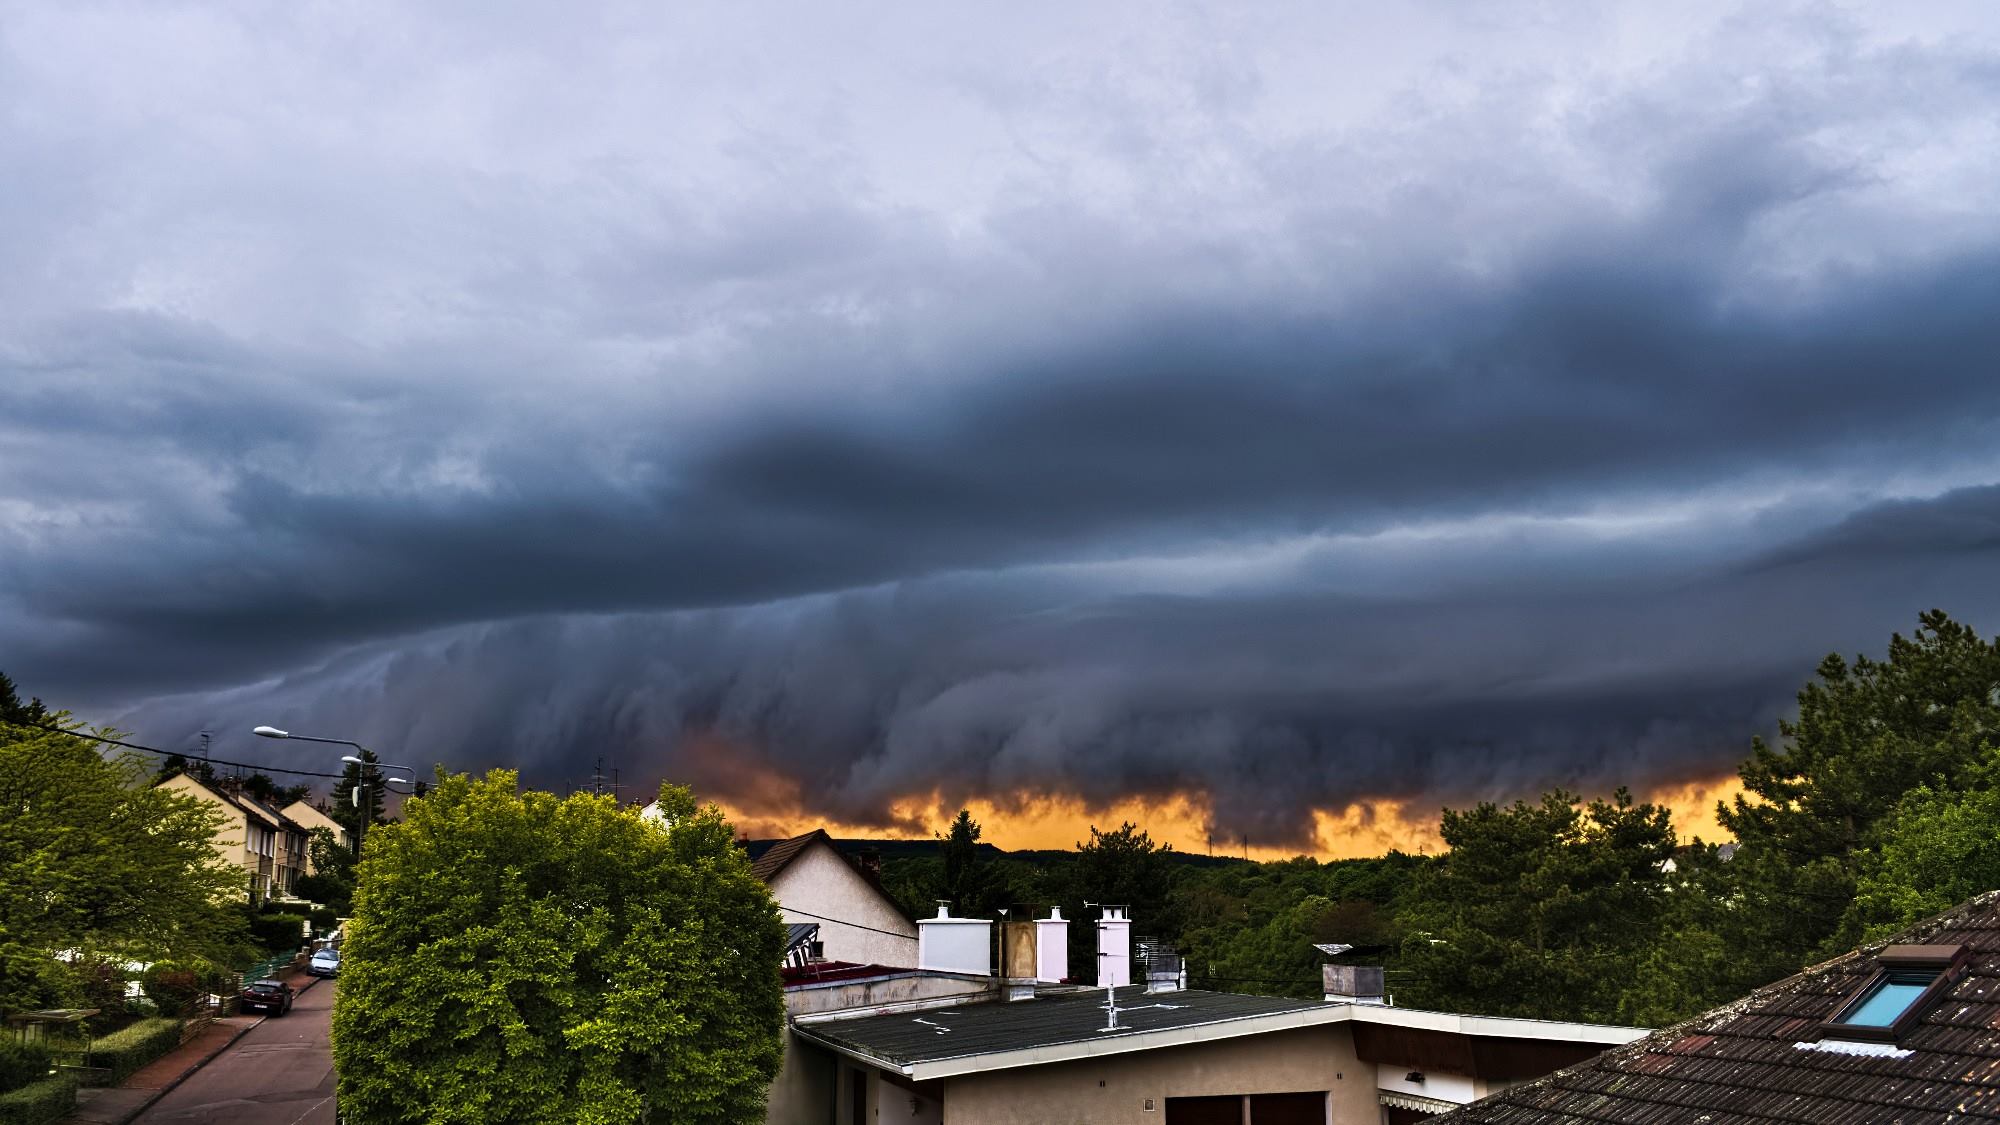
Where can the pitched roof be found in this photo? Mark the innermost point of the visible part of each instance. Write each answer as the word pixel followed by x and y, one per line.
pixel 1760 1058
pixel 780 855
pixel 237 799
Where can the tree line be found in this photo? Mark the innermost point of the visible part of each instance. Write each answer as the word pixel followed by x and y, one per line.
pixel 1878 805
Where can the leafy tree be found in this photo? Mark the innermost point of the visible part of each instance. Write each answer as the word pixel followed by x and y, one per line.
pixel 201 769
pixel 1938 849
pixel 519 957
pixel 262 787
pixel 1867 733
pixel 1539 910
pixel 332 880
pixel 94 859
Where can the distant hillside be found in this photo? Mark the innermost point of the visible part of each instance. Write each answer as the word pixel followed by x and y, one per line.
pixel 928 849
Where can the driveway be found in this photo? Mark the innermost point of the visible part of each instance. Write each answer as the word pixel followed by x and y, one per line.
pixel 281 1073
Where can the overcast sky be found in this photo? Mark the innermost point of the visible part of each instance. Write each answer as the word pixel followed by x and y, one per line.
pixel 1306 405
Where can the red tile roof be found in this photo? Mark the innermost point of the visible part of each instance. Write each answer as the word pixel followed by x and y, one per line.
pixel 1760 1060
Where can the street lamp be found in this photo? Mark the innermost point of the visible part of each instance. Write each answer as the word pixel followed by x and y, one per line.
pixel 362 765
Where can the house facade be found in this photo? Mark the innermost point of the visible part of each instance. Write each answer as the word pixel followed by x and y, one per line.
pixel 311 817
pixel 816 885
pixel 269 846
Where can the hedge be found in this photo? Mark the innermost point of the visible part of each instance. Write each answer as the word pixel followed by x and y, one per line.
pixel 278 933
pixel 22 1062
pixel 41 1102
pixel 123 1052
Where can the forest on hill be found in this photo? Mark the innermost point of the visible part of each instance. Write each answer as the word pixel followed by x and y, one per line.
pixel 1877 806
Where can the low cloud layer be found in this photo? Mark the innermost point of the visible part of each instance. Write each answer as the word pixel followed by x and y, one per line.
pixel 1137 408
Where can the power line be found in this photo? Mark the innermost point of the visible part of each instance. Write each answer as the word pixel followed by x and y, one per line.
pixel 841 922
pixel 156 750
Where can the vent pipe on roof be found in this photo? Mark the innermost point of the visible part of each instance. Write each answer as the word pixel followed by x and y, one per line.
pixel 1164 969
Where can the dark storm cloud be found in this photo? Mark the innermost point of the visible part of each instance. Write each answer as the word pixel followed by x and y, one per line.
pixel 1273 705
pixel 1580 381
pixel 1224 420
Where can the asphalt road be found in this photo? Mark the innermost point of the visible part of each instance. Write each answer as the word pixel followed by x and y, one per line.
pixel 281 1073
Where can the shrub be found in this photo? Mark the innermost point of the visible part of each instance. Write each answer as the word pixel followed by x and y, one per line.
pixel 174 987
pixel 278 933
pixel 38 1103
pixel 324 918
pixel 22 1062
pixel 103 985
pixel 123 1052
pixel 217 980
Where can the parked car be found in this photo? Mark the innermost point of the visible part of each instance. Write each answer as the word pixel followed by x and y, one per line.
pixel 273 996
pixel 325 963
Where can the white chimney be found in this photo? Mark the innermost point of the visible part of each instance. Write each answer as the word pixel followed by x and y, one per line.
pixel 955 945
pixel 1052 947
pixel 1114 948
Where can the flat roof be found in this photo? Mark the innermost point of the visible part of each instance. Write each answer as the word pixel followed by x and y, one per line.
pixel 918 1039
pixel 938 1042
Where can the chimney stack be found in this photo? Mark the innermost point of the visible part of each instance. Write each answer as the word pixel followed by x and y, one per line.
pixel 1052 948
pixel 869 862
pixel 955 945
pixel 1352 984
pixel 1114 948
pixel 1163 968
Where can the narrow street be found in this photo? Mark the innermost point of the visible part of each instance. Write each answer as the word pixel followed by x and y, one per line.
pixel 281 1073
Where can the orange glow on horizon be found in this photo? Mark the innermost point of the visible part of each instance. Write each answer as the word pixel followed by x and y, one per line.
pixel 1361 829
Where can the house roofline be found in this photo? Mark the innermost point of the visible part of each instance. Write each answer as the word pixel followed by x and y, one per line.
pixel 1324 1015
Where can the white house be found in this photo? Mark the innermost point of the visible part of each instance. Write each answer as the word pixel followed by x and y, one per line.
pixel 816 885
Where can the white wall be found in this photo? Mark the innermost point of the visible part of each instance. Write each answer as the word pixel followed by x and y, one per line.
pixel 1052 948
pixel 1444 1087
pixel 819 884
pixel 956 945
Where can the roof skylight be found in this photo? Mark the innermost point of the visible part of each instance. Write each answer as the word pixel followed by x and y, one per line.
pixel 1909 978
pixel 1885 1001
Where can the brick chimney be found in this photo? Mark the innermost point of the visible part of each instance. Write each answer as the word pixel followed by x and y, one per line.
pixel 869 862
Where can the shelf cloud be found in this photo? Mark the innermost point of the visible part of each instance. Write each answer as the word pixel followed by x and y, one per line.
pixel 1288 409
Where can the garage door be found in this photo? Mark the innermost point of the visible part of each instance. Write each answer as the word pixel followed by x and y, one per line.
pixel 1288 1109
pixel 1205 1111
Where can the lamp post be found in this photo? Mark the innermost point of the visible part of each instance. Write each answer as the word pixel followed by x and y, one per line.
pixel 362 766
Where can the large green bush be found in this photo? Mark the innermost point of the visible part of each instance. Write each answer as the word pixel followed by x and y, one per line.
pixel 577 963
pixel 38 1103
pixel 175 987
pixel 124 1052
pixel 22 1062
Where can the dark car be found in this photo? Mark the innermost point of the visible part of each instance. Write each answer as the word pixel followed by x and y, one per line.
pixel 273 996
